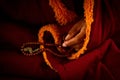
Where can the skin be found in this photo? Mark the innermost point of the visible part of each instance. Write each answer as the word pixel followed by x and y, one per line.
pixel 76 35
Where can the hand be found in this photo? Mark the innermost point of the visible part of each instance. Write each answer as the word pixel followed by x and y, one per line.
pixel 75 36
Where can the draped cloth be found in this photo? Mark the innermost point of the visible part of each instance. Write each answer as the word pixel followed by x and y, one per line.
pixel 19 23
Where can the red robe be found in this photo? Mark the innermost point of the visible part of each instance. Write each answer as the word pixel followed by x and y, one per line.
pixel 19 23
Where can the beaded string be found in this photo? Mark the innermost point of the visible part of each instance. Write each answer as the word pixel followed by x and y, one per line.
pixel 28 51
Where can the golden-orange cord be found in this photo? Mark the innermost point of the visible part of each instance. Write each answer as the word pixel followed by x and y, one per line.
pixel 46 60
pixel 64 16
pixel 53 29
pixel 88 14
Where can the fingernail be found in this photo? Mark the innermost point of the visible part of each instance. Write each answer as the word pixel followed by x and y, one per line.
pixel 64 44
pixel 67 37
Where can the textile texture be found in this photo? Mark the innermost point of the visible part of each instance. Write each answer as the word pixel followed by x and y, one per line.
pixel 20 21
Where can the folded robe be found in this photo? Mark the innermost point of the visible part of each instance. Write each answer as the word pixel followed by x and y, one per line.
pixel 100 62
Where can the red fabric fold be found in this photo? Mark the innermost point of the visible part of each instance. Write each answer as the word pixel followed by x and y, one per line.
pixel 101 62
pixel 18 22
pixel 93 63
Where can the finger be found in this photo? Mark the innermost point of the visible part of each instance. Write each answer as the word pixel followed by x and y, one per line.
pixel 75 39
pixel 75 29
pixel 77 46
